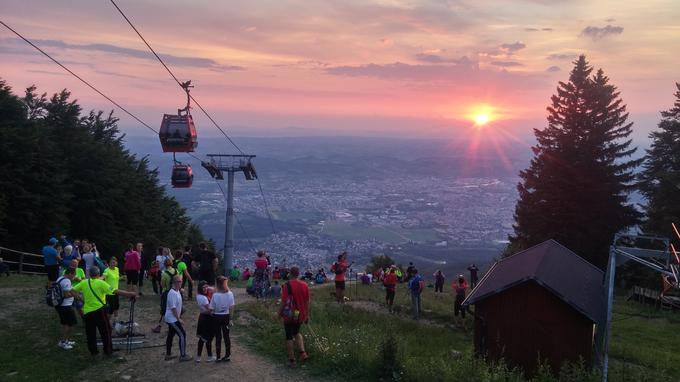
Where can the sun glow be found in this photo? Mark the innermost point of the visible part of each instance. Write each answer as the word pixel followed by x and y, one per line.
pixel 481 115
pixel 481 119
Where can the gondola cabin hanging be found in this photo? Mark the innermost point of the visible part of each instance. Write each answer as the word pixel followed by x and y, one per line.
pixel 182 176
pixel 178 132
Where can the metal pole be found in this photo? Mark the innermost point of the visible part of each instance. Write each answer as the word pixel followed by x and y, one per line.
pixel 611 273
pixel 229 231
pixel 21 263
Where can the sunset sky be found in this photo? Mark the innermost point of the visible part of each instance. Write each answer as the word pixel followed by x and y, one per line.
pixel 384 67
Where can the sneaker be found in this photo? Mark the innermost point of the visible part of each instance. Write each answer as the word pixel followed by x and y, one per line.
pixel 64 345
pixel 224 359
pixel 170 357
pixel 185 358
pixel 70 342
pixel 197 360
pixel 304 356
pixel 292 364
pixel 211 359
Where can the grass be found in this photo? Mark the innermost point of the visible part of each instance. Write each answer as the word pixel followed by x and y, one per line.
pixel 30 336
pixel 349 342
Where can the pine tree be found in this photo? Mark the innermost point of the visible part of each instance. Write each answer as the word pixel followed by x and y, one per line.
pixel 660 179
pixel 576 187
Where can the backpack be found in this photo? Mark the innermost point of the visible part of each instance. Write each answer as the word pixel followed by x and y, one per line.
pixel 54 295
pixel 100 264
pixel 155 268
pixel 290 311
pixel 414 284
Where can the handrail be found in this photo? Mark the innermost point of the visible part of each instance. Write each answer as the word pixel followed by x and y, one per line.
pixel 19 252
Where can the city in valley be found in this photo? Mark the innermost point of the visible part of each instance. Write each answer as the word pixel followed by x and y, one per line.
pixel 430 204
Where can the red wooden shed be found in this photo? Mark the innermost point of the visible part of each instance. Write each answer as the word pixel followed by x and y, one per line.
pixel 542 302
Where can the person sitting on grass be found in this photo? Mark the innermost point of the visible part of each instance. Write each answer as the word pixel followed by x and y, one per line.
pixel 172 317
pixel 67 316
pixel 294 310
pixel 4 268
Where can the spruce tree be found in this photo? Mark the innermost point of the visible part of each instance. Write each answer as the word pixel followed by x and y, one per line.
pixel 576 187
pixel 660 178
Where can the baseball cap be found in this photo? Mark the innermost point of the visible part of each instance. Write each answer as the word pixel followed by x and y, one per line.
pixel 53 240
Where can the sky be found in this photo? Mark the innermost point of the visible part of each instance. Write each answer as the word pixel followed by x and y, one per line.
pixel 416 69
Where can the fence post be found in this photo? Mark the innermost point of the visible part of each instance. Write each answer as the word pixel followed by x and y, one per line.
pixel 21 262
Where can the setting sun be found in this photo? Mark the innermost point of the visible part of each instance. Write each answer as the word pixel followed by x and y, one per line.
pixel 481 119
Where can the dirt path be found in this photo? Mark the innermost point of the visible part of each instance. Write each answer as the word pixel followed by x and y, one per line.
pixel 148 364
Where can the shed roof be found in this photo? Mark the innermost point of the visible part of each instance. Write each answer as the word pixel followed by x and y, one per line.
pixel 553 266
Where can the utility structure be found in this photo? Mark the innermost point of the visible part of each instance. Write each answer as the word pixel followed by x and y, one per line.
pixel 217 165
pixel 628 247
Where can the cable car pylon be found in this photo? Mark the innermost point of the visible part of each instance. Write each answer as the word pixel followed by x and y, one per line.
pixel 231 164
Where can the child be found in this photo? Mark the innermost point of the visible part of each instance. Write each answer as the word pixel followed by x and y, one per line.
pixel 111 276
pixel 221 305
pixel 205 329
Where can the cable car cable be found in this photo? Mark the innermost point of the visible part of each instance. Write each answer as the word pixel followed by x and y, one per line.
pixel 119 106
pixel 78 77
pixel 175 77
pixel 264 199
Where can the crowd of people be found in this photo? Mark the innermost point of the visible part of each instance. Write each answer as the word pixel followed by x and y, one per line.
pixel 90 289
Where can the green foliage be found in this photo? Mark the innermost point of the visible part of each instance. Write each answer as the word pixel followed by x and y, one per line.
pixel 576 187
pixel 660 179
pixel 71 174
pixel 379 262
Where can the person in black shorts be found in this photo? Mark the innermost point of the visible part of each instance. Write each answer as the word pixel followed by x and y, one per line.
pixel 67 316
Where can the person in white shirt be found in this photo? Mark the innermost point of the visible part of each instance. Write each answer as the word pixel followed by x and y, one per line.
pixel 67 316
pixel 88 258
pixel 172 317
pixel 222 305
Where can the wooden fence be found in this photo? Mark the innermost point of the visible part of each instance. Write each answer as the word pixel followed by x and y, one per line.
pixel 23 262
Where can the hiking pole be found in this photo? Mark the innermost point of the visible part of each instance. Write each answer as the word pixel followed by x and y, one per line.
pixel 131 325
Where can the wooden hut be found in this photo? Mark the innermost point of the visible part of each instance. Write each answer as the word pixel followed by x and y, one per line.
pixel 542 303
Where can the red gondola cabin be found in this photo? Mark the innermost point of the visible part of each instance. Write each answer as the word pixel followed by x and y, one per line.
pixel 178 133
pixel 182 176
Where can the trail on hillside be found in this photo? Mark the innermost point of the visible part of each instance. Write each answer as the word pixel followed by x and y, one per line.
pixel 147 363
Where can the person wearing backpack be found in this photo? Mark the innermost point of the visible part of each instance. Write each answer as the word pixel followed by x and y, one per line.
pixel 294 310
pixel 166 275
pixel 94 291
pixel 64 308
pixel 416 286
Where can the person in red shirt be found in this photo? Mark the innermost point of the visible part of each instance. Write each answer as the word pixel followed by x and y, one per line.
pixel 459 287
pixel 390 283
pixel 294 311
pixel 339 268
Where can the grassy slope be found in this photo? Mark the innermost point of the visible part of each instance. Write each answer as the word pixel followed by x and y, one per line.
pixel 29 339
pixel 642 340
